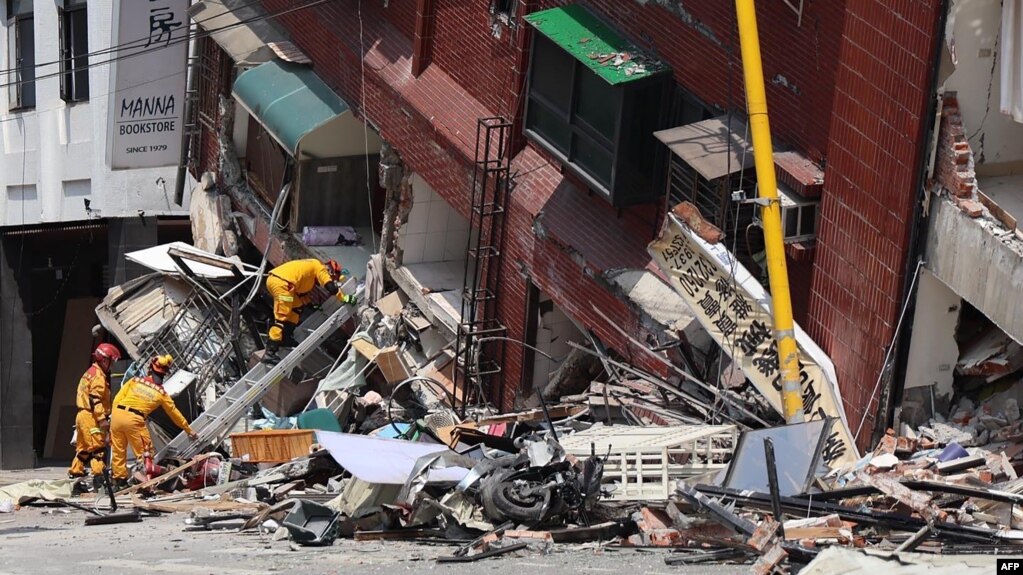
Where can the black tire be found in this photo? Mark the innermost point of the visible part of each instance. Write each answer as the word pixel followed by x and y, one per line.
pixel 502 502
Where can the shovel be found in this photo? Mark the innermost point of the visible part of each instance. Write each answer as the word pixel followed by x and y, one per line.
pixel 132 516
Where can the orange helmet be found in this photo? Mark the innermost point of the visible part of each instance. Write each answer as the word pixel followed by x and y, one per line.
pixel 161 364
pixel 106 353
pixel 333 268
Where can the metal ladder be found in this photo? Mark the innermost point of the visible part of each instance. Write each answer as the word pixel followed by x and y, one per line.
pixel 216 422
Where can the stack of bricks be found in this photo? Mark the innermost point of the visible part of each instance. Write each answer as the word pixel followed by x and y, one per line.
pixel 954 161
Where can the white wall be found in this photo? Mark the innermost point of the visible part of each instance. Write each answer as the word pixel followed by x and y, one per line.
pixel 554 330
pixel 435 231
pixel 994 137
pixel 933 352
pixel 60 148
pixel 343 136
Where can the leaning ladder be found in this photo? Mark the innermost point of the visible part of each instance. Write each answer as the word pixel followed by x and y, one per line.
pixel 216 422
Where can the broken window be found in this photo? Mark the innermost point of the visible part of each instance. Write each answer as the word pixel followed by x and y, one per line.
pixel 74 51
pixel 21 54
pixel 504 11
pixel 602 131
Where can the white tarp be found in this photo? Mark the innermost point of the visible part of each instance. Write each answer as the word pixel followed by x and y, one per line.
pixel 157 258
pixel 384 461
pixel 735 310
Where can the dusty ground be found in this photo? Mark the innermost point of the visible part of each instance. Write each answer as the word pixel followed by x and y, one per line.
pixel 51 540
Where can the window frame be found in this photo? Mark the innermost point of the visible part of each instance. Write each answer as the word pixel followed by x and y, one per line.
pixel 568 118
pixel 620 189
pixel 16 92
pixel 73 67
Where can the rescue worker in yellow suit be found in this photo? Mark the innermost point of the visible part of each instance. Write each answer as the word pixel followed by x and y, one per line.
pixel 137 398
pixel 290 285
pixel 93 419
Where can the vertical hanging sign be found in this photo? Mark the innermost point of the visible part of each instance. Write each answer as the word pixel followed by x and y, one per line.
pixel 147 83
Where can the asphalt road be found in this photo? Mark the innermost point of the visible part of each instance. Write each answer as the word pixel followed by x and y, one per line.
pixel 44 541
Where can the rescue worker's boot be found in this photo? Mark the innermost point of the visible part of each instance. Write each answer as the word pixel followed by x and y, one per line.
pixel 270 356
pixel 99 484
pixel 289 335
pixel 80 486
pixel 120 485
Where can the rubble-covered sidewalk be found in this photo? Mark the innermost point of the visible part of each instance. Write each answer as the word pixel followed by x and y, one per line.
pixel 362 438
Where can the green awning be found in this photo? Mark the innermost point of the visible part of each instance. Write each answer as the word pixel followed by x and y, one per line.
pixel 595 44
pixel 289 100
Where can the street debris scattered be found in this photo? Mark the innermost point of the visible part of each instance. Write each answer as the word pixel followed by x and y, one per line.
pixel 367 437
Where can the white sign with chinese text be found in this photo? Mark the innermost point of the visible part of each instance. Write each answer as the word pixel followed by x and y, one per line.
pixel 148 83
pixel 735 309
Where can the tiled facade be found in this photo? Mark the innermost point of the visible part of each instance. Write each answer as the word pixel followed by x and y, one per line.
pixel 847 88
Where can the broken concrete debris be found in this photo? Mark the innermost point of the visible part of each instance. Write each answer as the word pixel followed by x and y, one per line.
pixel 367 436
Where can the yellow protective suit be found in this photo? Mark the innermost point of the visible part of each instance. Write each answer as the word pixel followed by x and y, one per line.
pixel 93 401
pixel 289 284
pixel 139 397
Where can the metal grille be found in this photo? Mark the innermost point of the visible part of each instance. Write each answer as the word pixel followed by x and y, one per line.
pixel 214 79
pixel 199 338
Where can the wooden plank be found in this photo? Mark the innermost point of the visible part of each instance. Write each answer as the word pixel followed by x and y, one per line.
pixel 365 349
pixel 186 506
pixel 169 475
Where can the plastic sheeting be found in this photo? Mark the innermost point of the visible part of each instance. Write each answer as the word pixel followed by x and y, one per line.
pixel 350 374
pixel 386 461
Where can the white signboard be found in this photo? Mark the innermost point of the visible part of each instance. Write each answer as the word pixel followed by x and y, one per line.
pixel 148 83
pixel 734 309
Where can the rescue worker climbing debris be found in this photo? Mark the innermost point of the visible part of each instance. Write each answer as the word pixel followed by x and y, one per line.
pixel 139 397
pixel 290 285
pixel 93 418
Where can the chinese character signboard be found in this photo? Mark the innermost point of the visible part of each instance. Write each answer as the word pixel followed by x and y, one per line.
pixel 148 83
pixel 734 308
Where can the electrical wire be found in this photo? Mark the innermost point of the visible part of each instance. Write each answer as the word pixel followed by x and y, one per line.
pixel 278 207
pixel 184 39
pixel 891 348
pixel 365 128
pixel 128 44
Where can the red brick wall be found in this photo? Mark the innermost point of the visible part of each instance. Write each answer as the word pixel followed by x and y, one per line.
pixel 846 88
pixel 873 160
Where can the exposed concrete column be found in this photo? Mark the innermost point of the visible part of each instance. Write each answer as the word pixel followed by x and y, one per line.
pixel 15 362
pixel 397 183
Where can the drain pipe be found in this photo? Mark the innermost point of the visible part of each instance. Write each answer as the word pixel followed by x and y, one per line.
pixel 188 124
pixel 917 241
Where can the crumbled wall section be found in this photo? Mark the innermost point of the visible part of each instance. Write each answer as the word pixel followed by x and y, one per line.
pixel 953 163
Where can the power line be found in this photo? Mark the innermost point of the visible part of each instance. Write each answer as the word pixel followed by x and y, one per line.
pixel 170 43
pixel 128 44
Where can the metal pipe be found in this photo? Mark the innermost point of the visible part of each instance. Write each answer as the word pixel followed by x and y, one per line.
pixel 187 124
pixel 763 156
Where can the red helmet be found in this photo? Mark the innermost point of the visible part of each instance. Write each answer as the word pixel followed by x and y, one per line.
pixel 107 353
pixel 333 268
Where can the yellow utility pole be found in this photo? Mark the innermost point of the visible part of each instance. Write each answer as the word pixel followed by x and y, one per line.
pixel 763 155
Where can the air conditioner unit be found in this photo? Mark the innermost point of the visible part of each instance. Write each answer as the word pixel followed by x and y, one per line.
pixel 799 215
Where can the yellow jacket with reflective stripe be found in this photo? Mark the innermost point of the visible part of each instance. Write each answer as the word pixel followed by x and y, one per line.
pixel 303 275
pixel 94 393
pixel 141 394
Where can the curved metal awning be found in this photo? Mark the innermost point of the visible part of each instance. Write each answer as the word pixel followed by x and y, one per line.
pixel 289 100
